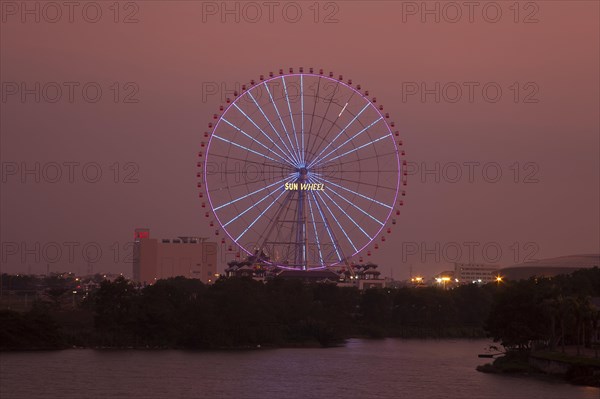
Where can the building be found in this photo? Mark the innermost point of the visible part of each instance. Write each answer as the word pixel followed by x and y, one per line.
pixel 369 277
pixel 190 257
pixel 310 276
pixel 364 277
pixel 480 273
pixel 550 267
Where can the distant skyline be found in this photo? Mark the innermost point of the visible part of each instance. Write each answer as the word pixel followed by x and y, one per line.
pixel 492 178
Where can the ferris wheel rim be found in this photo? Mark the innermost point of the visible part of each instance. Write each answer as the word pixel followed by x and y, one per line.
pixel 388 134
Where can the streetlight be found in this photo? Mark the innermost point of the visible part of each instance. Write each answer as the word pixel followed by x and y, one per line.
pixel 442 280
pixel 445 280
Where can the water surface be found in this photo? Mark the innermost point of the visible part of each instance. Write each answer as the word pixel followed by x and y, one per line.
pixel 391 368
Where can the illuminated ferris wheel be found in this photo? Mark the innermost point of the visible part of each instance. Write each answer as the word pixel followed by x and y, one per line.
pixel 302 171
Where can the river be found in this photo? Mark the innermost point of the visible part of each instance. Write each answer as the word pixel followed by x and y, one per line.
pixel 390 368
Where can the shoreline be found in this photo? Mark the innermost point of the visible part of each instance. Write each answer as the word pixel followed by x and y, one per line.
pixel 299 345
pixel 555 366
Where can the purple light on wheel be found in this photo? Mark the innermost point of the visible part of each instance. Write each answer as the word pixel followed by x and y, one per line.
pixel 302 170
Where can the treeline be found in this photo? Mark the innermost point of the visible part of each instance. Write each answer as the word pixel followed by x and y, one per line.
pixel 243 313
pixel 547 313
pixel 240 312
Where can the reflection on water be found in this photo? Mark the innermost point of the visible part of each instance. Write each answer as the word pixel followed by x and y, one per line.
pixel 390 368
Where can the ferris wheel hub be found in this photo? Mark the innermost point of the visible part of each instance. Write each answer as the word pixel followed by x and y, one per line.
pixel 303 173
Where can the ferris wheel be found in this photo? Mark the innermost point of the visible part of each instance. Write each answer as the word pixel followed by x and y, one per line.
pixel 302 171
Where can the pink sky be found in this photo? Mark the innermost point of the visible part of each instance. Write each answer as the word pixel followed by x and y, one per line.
pixel 171 54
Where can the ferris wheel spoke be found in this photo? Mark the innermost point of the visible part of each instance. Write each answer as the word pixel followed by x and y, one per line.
pixel 290 152
pixel 278 165
pixel 261 215
pixel 296 155
pixel 275 221
pixel 254 204
pixel 312 118
pixel 312 162
pixel 353 204
pixel 254 192
pixel 356 149
pixel 333 124
pixel 285 161
pixel 232 186
pixel 364 183
pixel 323 159
pixel 362 159
pixel 312 115
pixel 347 215
pixel 329 102
pixel 328 228
pixel 324 162
pixel 338 222
pixel 302 117
pixel 289 159
pixel 245 148
pixel 357 193
pixel 292 118
pixel 312 215
pixel 371 171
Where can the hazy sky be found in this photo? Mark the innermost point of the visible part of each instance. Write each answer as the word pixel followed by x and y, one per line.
pixel 528 108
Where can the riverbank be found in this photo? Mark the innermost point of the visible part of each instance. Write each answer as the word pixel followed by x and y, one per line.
pixel 578 370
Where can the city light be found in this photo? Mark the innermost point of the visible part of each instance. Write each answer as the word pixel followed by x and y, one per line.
pixel 443 280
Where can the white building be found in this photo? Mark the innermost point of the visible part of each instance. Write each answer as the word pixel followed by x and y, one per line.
pixel 475 273
pixel 190 257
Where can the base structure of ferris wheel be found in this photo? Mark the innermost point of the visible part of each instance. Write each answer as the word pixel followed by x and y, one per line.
pixel 301 171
